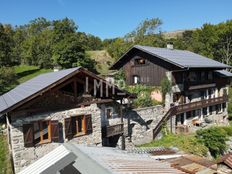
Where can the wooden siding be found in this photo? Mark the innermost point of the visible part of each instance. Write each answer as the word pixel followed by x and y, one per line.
pixel 151 73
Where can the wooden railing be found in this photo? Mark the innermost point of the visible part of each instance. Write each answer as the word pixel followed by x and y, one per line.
pixel 200 104
pixel 109 131
pixel 185 108
pixel 171 112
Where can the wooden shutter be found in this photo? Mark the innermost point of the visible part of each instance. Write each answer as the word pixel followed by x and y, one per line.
pixel 28 133
pixel 55 130
pixel 68 128
pixel 88 126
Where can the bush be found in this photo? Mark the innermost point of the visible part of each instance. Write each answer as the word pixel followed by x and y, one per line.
pixel 214 139
pixel 143 95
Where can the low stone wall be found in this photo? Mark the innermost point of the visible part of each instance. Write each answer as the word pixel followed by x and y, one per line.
pixel 22 156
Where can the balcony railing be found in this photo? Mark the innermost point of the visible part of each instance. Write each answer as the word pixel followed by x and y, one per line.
pixel 187 107
pixel 200 104
pixel 109 131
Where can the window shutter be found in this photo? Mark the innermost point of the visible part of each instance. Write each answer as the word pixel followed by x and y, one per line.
pixel 55 130
pixel 68 128
pixel 88 122
pixel 28 133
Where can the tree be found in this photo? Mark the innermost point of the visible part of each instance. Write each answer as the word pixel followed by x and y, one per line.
pixel 70 53
pixel 7 78
pixel 146 27
pixel 6 45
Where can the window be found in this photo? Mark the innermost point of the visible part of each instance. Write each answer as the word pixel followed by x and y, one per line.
pixel 140 61
pixel 210 75
pixel 109 112
pixel 193 76
pixel 40 132
pixel 78 125
pixel 204 111
pixel 136 79
pixel 203 76
pixel 210 110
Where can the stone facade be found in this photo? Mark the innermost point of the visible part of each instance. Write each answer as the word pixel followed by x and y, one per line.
pixel 23 156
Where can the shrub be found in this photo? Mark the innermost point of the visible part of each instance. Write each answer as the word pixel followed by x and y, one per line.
pixel 214 139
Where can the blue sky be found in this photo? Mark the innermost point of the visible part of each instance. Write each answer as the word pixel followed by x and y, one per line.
pixel 113 18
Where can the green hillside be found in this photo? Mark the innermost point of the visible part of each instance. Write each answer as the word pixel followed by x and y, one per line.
pixel 103 59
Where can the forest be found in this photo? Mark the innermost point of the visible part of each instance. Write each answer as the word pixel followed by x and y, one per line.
pixel 46 44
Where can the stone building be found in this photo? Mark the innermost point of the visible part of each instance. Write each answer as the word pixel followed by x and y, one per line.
pixel 68 105
pixel 198 85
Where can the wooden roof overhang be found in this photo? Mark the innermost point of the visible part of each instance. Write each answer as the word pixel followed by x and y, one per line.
pixel 64 81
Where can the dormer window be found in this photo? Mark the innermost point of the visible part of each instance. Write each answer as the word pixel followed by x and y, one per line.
pixel 140 61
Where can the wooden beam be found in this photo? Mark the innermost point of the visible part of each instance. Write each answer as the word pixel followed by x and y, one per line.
pixel 75 89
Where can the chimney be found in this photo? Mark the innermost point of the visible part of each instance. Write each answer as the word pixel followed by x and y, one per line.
pixel 170 45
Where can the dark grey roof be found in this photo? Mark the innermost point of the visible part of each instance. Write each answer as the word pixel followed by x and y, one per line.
pixel 180 58
pixel 31 87
pixel 223 73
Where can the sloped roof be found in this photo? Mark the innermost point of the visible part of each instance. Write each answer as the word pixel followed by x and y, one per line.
pixel 180 58
pixel 223 73
pixel 31 87
pixel 37 85
pixel 117 161
pixel 54 161
pixel 226 159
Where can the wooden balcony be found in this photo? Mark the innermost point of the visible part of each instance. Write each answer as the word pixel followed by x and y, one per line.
pixel 187 107
pixel 200 104
pixel 109 131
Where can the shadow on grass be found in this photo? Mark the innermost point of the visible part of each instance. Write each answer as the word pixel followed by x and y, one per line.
pixel 25 73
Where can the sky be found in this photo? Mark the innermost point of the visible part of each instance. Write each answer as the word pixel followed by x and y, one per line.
pixel 115 18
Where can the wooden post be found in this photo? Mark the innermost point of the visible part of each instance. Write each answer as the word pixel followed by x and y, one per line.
pixel 123 137
pixel 75 89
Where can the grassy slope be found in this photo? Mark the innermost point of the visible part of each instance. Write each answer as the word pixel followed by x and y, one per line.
pixel 186 143
pixel 5 163
pixel 25 72
pixel 103 59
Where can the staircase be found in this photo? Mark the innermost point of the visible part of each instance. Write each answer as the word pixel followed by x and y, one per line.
pixel 172 111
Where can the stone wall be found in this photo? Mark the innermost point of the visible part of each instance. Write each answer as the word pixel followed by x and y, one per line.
pixel 22 156
pixel 139 124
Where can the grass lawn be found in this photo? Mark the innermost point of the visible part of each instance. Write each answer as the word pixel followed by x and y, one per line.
pixel 186 143
pixel 5 163
pixel 25 72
